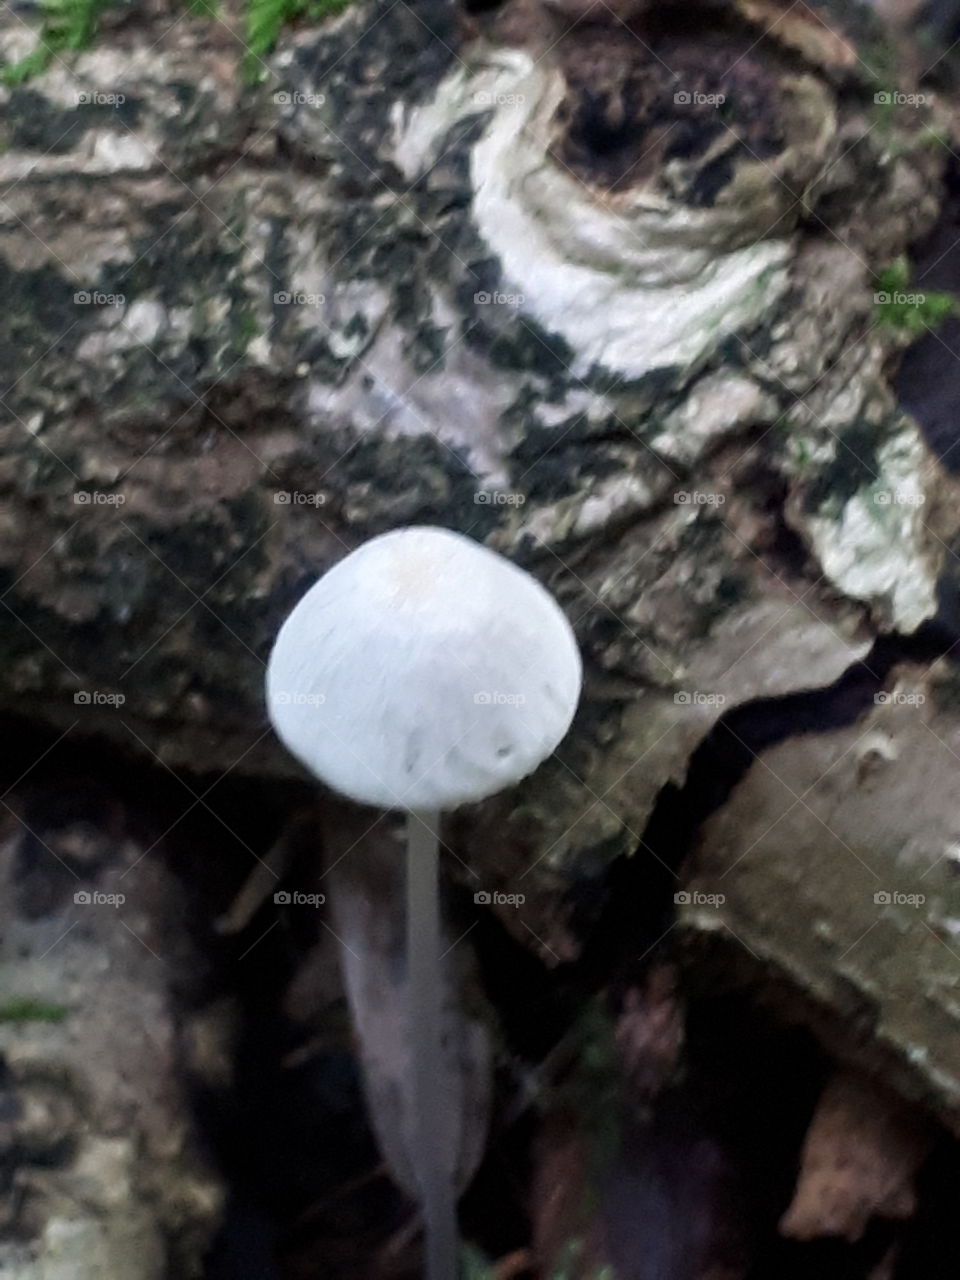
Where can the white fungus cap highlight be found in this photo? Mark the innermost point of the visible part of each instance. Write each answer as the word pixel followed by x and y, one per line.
pixel 422 672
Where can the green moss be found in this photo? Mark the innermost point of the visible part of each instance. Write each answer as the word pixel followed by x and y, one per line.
pixel 23 1009
pixel 879 61
pixel 266 18
pixel 593 1093
pixel 68 26
pixel 906 309
pixel 244 326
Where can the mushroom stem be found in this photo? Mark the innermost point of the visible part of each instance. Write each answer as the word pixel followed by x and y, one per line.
pixel 438 1202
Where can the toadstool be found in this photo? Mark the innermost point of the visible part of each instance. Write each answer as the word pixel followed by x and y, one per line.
pixel 422 672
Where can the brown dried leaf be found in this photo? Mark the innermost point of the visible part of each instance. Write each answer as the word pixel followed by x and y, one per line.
pixel 805 29
pixel 365 890
pixel 560 1199
pixel 861 1153
pixel 650 1032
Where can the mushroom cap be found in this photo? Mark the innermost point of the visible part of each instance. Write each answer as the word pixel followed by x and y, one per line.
pixel 423 671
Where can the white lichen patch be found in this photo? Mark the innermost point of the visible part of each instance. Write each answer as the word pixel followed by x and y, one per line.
pixel 469 88
pixel 454 401
pixel 878 549
pixel 591 407
pixel 617 498
pixel 98 154
pixel 634 282
pixel 719 406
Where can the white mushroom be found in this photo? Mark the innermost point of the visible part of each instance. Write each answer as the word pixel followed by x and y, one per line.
pixel 422 672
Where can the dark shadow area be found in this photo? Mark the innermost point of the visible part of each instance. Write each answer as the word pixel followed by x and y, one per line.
pixel 927 383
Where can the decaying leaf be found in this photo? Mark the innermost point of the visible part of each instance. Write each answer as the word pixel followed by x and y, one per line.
pixel 365 889
pixel 807 30
pixel 650 1033
pixel 560 1199
pixel 861 1154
